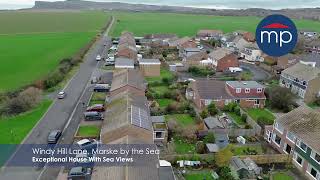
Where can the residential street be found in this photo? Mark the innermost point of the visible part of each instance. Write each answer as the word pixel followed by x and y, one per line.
pixel 258 73
pixel 64 114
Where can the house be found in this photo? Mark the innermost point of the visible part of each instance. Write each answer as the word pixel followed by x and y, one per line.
pixel 156 40
pixel 127 46
pixel 223 59
pixel 252 54
pixel 312 46
pixel 297 133
pixel 195 58
pixel 248 94
pixel 127 79
pixel 208 34
pixel 124 63
pixel 213 123
pixel 150 67
pixel 303 80
pixel 185 42
pixel 312 59
pixel 176 67
pixel 277 64
pixel 249 37
pixel 160 130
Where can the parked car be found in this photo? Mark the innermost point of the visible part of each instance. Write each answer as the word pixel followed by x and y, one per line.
pixel 77 173
pixel 61 95
pixel 54 136
pixel 93 116
pixel 110 61
pixel 101 88
pixel 88 144
pixel 98 58
pixel 96 107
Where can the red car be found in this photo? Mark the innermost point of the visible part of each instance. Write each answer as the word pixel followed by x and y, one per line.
pixel 96 107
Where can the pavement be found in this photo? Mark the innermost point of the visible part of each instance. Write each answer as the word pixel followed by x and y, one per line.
pixel 258 73
pixel 64 114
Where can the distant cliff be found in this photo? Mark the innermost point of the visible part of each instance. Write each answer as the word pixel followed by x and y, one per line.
pixel 310 13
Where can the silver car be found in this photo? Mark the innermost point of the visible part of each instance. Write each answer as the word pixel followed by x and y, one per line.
pixel 61 95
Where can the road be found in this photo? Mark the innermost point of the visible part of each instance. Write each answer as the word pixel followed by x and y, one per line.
pixel 258 73
pixel 62 114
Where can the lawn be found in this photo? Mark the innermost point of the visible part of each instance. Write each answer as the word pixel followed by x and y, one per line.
pixel 199 176
pixel 256 113
pixel 14 129
pixel 164 102
pixel 141 23
pixel 281 176
pixel 88 131
pixel 236 118
pixel 161 89
pixel 33 43
pixel 246 150
pixel 97 98
pixel 164 73
pixel 183 119
pixel 182 146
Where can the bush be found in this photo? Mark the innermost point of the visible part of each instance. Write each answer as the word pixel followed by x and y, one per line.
pixel 204 114
pixel 200 72
pixel 209 138
pixel 212 109
pixel 281 98
pixel 244 117
pixel 192 112
pixel 230 107
pixel 237 110
pixel 53 79
pixel 25 101
pixel 171 108
pixel 200 147
pixel 262 121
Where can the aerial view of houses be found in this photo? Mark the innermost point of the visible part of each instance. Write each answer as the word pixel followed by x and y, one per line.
pixel 164 91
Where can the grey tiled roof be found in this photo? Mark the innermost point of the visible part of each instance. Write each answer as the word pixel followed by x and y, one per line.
pixel 124 62
pixel 304 122
pixel 302 71
pixel 129 77
pixel 211 89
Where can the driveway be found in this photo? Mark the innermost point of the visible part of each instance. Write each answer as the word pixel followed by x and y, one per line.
pixel 62 114
pixel 258 73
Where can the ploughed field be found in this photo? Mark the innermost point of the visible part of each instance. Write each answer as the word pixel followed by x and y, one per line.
pixel 33 43
pixel 187 24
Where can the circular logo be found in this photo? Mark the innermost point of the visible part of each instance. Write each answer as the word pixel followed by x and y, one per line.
pixel 276 35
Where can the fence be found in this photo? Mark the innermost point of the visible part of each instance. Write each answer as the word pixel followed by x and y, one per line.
pixel 269 158
pixel 233 132
pixel 255 126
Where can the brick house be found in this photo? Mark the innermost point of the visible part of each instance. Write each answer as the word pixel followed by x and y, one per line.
pixel 248 94
pixel 303 80
pixel 150 67
pixel 249 37
pixel 223 58
pixel 297 133
pixel 127 46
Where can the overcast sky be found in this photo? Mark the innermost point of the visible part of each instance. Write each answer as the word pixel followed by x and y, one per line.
pixel 232 4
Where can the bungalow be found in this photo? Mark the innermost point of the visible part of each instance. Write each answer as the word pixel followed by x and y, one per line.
pixel 208 34
pixel 223 59
pixel 156 40
pixel 252 54
pixel 249 94
pixel 192 56
pixel 297 133
pixel 150 67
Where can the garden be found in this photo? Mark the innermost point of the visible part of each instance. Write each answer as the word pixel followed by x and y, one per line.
pixel 88 131
pixel 261 116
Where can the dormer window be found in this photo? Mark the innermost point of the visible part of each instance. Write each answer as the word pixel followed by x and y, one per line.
pixel 238 90
pixel 259 90
pixel 247 90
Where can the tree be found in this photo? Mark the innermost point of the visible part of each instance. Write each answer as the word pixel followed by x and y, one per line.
pixel 212 109
pixel 204 114
pixel 223 157
pixel 225 173
pixel 281 98
pixel 209 138
pixel 200 147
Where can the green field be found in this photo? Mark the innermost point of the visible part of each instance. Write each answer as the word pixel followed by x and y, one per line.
pixel 33 43
pixel 14 129
pixel 187 25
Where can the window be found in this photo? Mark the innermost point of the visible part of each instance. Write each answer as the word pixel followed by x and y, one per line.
pixel 302 146
pixel 298 159
pixel 278 127
pixel 247 90
pixel 207 102
pixel 159 135
pixel 287 148
pixel 259 90
pixel 277 139
pixel 291 136
pixel 315 156
pixel 238 90
pixel 313 172
pixel 256 102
